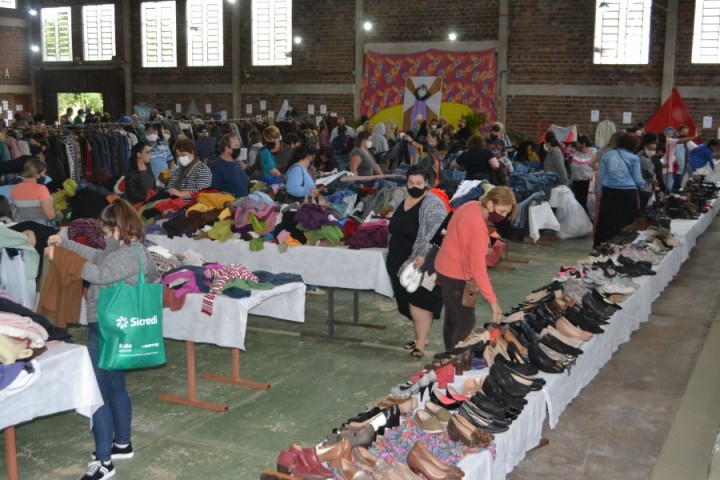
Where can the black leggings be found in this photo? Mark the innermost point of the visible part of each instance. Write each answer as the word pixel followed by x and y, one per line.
pixel 459 320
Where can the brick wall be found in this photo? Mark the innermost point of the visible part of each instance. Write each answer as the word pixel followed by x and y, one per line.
pixel 15 55
pixel 432 20
pixel 531 114
pixel 550 43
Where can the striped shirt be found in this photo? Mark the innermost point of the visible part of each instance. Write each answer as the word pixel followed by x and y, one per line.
pixel 27 197
pixel 199 178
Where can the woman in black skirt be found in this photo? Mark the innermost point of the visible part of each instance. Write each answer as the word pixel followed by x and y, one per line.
pixel 412 226
pixel 618 183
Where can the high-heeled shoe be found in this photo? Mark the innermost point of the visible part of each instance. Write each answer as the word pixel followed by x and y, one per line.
pixel 439 398
pixel 542 361
pixel 511 338
pixel 566 328
pixel 378 423
pixel 421 461
pixel 452 393
pixel 335 453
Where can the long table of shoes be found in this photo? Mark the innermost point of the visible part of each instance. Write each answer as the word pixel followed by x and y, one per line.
pixel 63 380
pixel 560 389
pixel 226 327
pixel 328 267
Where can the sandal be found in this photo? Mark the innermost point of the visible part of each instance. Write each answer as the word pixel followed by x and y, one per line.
pixel 410 345
pixel 417 353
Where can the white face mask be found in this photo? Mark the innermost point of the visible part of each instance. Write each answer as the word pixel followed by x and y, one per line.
pixel 369 145
pixel 184 160
pixel 650 153
pixel 166 136
pixel 152 137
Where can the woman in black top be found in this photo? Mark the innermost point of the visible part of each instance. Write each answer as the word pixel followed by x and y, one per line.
pixel 139 179
pixel 412 226
pixel 478 161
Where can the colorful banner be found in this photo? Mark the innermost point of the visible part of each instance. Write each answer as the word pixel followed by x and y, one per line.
pixel 468 82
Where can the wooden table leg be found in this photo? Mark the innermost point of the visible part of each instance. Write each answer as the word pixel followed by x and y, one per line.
pixel 11 454
pixel 191 400
pixel 235 379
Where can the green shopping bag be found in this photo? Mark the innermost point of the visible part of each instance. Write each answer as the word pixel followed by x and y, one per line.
pixel 130 325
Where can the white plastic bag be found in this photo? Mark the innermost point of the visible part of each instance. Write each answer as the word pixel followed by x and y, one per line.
pixel 574 222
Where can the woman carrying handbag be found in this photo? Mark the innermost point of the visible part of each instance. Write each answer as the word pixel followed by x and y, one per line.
pixel 461 262
pixel 119 262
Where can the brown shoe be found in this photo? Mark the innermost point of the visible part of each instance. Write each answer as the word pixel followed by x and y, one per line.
pixel 463 431
pixel 335 453
pixel 421 461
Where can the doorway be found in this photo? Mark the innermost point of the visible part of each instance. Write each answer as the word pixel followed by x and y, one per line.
pixel 90 102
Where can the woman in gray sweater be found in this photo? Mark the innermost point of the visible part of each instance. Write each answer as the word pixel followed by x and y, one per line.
pixel 412 226
pixel 118 262
pixel 554 160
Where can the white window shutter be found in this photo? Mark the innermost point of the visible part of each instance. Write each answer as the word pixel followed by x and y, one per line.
pixel 204 33
pixel 159 34
pixel 706 32
pixel 272 32
pixel 99 32
pixel 622 32
pixel 56 34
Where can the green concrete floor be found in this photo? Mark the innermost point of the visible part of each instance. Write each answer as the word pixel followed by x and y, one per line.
pixel 316 385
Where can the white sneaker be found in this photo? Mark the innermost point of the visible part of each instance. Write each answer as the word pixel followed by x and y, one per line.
pixel 406 274
pixel 98 471
pixel 415 280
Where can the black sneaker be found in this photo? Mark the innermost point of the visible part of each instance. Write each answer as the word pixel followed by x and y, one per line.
pixel 99 470
pixel 119 453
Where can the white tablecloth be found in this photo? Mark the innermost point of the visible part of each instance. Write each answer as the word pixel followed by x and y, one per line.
pixel 560 390
pixel 66 382
pixel 228 322
pixel 332 267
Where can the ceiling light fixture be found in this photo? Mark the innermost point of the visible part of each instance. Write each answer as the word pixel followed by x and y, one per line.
pixel 452 36
pixel 32 12
pixel 368 25
pixel 297 40
pixel 35 48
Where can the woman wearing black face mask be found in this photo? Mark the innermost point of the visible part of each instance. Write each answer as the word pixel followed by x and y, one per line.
pixel 412 225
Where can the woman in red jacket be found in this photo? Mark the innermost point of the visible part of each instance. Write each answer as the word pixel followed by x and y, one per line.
pixel 462 257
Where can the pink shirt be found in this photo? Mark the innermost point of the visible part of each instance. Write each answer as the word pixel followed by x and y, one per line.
pixel 464 249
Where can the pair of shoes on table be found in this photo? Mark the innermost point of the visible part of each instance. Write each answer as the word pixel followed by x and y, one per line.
pixel 307 462
pixel 421 461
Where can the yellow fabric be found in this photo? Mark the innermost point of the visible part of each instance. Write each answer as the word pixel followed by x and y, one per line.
pixel 70 187
pixel 215 200
pixel 165 175
pixel 226 213
pixel 60 200
pixel 291 242
pixel 199 207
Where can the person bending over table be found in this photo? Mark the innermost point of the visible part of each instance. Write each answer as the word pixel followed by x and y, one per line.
pixel 411 228
pixel 191 175
pixel 619 180
pixel 298 182
pixel 362 162
pixel 462 257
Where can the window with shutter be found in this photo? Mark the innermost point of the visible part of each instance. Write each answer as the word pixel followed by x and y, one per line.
pixel 56 34
pixel 7 3
pixel 271 32
pixel 706 34
pixel 99 32
pixel 622 32
pixel 204 33
pixel 159 34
